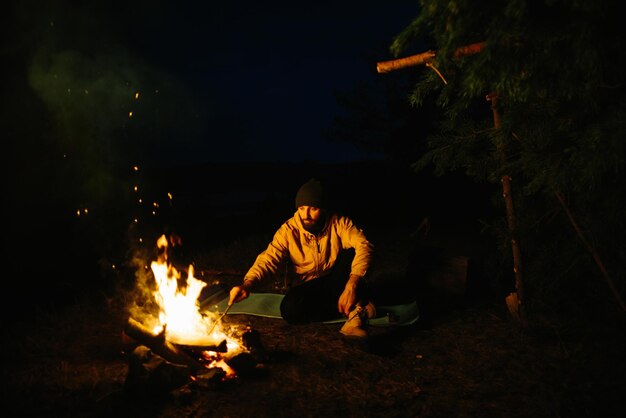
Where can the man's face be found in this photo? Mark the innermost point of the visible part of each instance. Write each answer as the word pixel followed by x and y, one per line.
pixel 313 218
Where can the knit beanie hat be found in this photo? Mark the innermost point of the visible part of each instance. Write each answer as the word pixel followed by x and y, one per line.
pixel 312 193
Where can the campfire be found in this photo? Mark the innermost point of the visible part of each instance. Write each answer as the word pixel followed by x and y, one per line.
pixel 194 344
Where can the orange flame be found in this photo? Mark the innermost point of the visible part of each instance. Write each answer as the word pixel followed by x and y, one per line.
pixel 179 313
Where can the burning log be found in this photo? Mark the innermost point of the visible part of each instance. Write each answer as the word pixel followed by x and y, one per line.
pixel 220 348
pixel 160 345
pixel 189 348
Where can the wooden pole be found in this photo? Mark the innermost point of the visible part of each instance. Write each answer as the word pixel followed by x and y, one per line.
pixel 515 299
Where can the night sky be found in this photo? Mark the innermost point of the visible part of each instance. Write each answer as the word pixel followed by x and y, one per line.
pixel 205 81
pixel 94 89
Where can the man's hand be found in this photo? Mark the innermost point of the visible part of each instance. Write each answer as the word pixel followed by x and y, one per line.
pixel 238 293
pixel 347 299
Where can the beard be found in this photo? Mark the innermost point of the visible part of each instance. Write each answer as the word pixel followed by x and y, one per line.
pixel 314 226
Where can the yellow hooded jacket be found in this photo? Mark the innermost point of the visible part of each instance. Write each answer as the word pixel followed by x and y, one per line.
pixel 312 255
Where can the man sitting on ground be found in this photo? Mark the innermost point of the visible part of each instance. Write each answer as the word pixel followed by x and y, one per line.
pixel 314 240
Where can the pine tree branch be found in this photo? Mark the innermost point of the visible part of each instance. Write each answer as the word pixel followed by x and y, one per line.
pixel 514 300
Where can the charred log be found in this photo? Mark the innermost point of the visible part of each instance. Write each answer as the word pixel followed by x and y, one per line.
pixel 149 373
pixel 245 365
pixel 252 341
pixel 160 345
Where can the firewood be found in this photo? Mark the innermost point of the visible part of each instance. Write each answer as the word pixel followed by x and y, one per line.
pixel 160 345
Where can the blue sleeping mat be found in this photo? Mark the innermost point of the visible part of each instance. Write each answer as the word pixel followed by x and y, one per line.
pixel 268 305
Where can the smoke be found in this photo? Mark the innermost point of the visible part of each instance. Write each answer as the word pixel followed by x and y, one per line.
pixel 112 110
pixel 140 301
pixel 84 108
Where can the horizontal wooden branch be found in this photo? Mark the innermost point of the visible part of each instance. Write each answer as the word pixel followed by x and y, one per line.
pixel 410 61
pixel 425 58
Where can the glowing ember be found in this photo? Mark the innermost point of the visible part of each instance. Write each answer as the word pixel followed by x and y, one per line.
pixel 179 311
pixel 217 361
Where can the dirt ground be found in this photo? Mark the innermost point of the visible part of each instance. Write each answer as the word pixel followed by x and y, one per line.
pixel 466 357
pixel 472 362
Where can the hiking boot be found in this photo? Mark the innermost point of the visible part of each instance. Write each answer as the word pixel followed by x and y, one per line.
pixel 356 323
